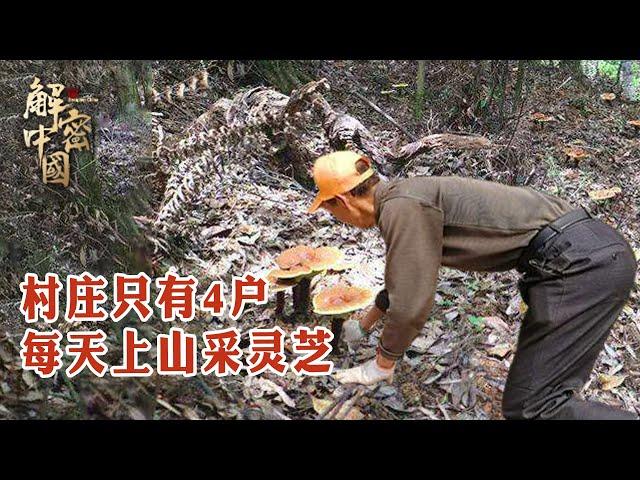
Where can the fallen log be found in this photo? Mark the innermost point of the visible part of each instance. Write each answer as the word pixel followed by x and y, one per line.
pixel 287 133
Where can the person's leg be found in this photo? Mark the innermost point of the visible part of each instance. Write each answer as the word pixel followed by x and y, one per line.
pixel 574 291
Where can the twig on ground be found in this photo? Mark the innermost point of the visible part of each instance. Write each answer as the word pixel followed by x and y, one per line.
pixel 338 401
pixel 385 115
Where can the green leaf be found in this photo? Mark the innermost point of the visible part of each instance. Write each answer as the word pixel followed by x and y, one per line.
pixel 476 321
pixel 473 285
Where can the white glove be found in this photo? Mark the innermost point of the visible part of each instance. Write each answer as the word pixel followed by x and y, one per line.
pixel 352 332
pixel 368 373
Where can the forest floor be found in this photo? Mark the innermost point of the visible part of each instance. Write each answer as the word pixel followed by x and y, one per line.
pixel 457 367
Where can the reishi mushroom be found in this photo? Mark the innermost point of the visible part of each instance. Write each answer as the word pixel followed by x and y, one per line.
pixel 294 260
pixel 291 273
pixel 279 286
pixel 575 153
pixel 323 258
pixel 295 276
pixel 319 261
pixel 540 118
pixel 294 256
pixel 339 300
pixel 303 263
pixel 635 124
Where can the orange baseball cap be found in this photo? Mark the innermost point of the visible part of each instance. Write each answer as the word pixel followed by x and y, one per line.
pixel 336 173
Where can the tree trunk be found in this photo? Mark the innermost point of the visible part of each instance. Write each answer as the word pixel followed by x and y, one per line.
pixel 575 68
pixel 126 87
pixel 590 69
pixel 628 82
pixel 144 73
pixel 517 94
pixel 504 81
pixel 419 100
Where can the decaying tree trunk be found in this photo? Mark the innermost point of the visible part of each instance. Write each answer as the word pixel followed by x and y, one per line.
pixel 342 131
pixel 291 131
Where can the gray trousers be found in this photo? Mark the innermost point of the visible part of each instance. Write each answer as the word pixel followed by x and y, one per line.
pixel 575 288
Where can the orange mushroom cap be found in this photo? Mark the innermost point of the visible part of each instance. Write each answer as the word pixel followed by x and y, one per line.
pixel 323 258
pixel 317 259
pixel 541 117
pixel 341 299
pixel 341 266
pixel 277 284
pixel 574 152
pixel 604 194
pixel 293 272
pixel 294 256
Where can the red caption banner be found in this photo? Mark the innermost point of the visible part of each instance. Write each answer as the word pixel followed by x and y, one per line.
pixel 177 351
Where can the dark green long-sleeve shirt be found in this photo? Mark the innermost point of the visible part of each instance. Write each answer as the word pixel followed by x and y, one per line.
pixel 458 222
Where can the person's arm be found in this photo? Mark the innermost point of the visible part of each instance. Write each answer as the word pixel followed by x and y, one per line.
pixel 369 321
pixel 375 313
pixel 413 233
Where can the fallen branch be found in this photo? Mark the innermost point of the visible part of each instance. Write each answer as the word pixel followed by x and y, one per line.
pixel 336 405
pixel 385 115
pixel 409 152
pixel 441 140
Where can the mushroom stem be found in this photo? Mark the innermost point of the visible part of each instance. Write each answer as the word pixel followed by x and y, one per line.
pixel 279 303
pixel 295 293
pixel 336 329
pixel 301 299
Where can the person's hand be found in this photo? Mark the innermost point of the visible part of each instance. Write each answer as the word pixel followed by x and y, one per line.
pixel 352 332
pixel 368 373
